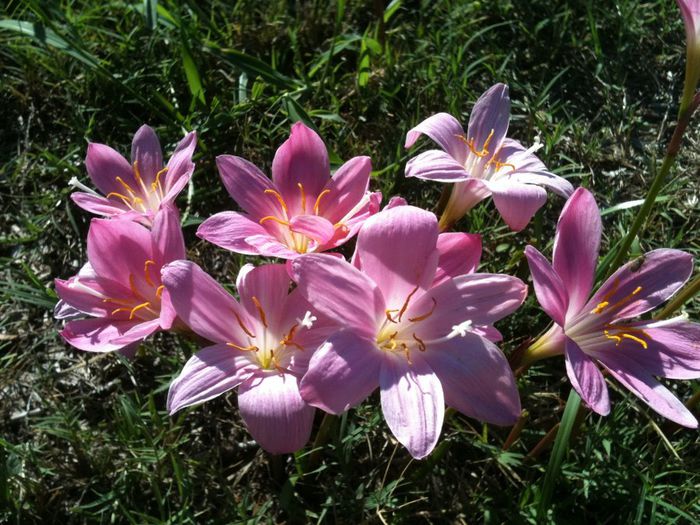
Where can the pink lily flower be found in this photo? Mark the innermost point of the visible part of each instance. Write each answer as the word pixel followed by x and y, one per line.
pixel 416 323
pixel 262 347
pixel 690 10
pixel 484 162
pixel 302 209
pixel 120 289
pixel 135 190
pixel 598 331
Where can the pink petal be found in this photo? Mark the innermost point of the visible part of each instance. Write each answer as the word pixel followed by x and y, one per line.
pixel 436 165
pixel 551 292
pixel 208 374
pixel 346 188
pixel 340 291
pixel 586 379
pixel 445 130
pixel 97 204
pixel 138 332
pixel 176 187
pixel 274 412
pixel 79 298
pixel 558 185
pixel 491 114
pixel 146 153
pixel 352 222
pixel 638 381
pixel 168 243
pixel 412 403
pixel 643 284
pixel 317 228
pixel 516 202
pixel 476 378
pixel 342 372
pixel 96 335
pixel 229 230
pixel 396 249
pixel 460 253
pixel 104 165
pixel 247 186
pixel 168 315
pixel 269 285
pixel 465 195
pixel 576 246
pixel 180 165
pixel 302 159
pixel 203 304
pixel 118 249
pixel 269 246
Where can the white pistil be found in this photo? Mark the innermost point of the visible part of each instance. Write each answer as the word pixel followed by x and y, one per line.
pixel 75 183
pixel 460 329
pixel 308 320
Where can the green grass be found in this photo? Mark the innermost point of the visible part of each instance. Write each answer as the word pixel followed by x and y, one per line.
pixel 86 439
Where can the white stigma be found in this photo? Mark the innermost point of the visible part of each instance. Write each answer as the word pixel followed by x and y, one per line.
pixel 308 320
pixel 460 329
pixel 75 183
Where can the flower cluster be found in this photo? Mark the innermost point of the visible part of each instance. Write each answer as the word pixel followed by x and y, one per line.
pixel 408 313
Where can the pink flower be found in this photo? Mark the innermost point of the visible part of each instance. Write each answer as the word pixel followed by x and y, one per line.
pixel 484 162
pixel 119 289
pixel 690 10
pixel 262 346
pixel 417 324
pixel 302 209
pixel 137 190
pixel 597 331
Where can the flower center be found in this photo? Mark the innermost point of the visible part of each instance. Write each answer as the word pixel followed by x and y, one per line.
pixel 474 163
pixel 144 200
pixel 147 299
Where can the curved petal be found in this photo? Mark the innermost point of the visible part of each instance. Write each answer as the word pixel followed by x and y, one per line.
pixel 138 332
pixel 516 202
pixel 317 228
pixel 576 246
pixel 274 412
pixel 638 381
pixel 177 186
pixel 229 230
pixel 436 165
pixel 302 159
pixel 248 186
pixel 104 165
pixel 96 335
pixel 464 196
pixel 586 378
pixel 489 118
pixel 549 289
pixel 412 402
pixel 84 298
pixel 266 285
pixel 168 242
pixel 203 304
pixel 97 204
pixel 208 374
pixel 558 185
pixel 269 246
pixel 476 378
pixel 146 153
pixel 643 284
pixel 346 188
pixel 346 359
pixel 180 165
pixel 443 129
pixel 396 249
pixel 340 291
pixel 460 253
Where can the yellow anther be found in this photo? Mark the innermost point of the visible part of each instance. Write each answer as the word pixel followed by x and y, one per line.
pixel 137 172
pixel 288 339
pixel 243 326
pixel 116 311
pixel 426 315
pixel 273 218
pixel 636 340
pixel 137 308
pixel 408 355
pixel 616 338
pixel 421 343
pixel 405 304
pixel 124 198
pixel 126 186
pixel 601 306
pixel 485 148
pixel 243 348
pixel 303 196
pixel 261 312
pixel 278 197
pixel 318 200
pixel 157 185
pixel 159 291
pixel 145 271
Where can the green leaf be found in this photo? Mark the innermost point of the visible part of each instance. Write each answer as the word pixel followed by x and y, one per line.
pixel 194 81
pixel 256 68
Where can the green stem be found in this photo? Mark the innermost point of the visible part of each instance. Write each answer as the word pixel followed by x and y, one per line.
pixel 686 295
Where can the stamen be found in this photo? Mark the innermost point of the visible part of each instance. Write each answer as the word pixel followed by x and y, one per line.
pixel 145 271
pixel 273 218
pixel 408 355
pixel 243 327
pixel 617 305
pixel 137 173
pixel 318 200
pixel 486 142
pixel 261 312
pixel 137 308
pixel 421 343
pixel 278 197
pixel 156 185
pixel 124 198
pixel 424 316
pixel 303 197
pixel 126 186
pixel 405 304
pixel 159 291
pixel 636 340
pixel 115 312
pixel 243 348
pixel 616 338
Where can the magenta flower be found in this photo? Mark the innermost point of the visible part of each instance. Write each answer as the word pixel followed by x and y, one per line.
pixel 137 190
pixel 690 10
pixel 598 330
pixel 416 324
pixel 302 209
pixel 484 162
pixel 120 289
pixel 262 346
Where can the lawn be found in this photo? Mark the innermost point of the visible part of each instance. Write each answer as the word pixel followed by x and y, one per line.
pixel 86 438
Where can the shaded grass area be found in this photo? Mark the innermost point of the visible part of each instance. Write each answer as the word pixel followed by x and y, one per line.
pixel 86 438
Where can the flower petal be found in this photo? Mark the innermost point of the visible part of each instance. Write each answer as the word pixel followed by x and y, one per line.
pixel 490 117
pixel 104 165
pixel 97 204
pixel 208 374
pixel 516 202
pixel 586 379
pixel 460 253
pixel 247 186
pixel 396 249
pixel 146 153
pixel 317 228
pixel 138 332
pixel 412 402
pixel 168 243
pixel 346 359
pixel 274 412
pixel 436 165
pixel 96 335
pixel 346 188
pixel 445 130
pixel 476 378
pixel 576 246
pixel 203 304
pixel 229 230
pixel 268 285
pixel 269 246
pixel 180 165
pixel 643 284
pixel 551 292
pixel 340 291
